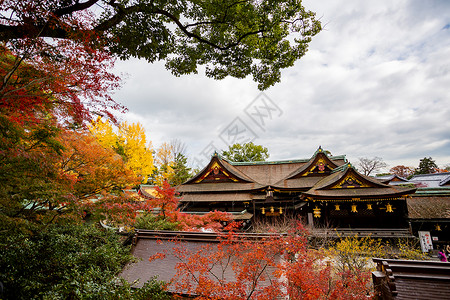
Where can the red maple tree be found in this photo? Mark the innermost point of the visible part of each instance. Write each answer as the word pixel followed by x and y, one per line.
pixel 273 267
pixel 166 203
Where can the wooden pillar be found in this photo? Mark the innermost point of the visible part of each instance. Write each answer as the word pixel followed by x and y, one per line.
pixel 310 220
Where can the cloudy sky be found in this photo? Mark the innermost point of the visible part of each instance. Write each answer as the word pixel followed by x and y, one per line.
pixel 375 82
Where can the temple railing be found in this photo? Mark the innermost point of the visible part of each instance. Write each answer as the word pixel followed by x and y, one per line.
pixel 373 232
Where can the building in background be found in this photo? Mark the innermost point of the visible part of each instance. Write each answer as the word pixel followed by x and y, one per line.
pixel 326 191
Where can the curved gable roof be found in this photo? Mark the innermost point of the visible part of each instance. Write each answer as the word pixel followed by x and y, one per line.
pixel 345 181
pixel 220 170
pixel 319 164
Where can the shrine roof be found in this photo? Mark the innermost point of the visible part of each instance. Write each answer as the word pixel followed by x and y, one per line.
pixel 347 182
pixel 297 183
pixel 344 171
pixel 429 207
pixel 431 180
pixel 269 174
pixel 221 175
pixel 218 186
pixel 217 197
pixel 279 162
pixel 392 179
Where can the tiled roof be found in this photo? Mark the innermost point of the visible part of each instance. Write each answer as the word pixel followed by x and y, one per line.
pixel 164 269
pixel 261 174
pixel 373 189
pixel 392 179
pixel 431 180
pixel 429 207
pixel 298 183
pixel 218 186
pixel 213 197
pixel 268 174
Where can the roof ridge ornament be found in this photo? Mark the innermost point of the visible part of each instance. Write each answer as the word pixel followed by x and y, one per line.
pixel 344 167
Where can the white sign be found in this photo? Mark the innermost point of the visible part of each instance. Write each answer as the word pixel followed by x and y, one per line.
pixel 425 241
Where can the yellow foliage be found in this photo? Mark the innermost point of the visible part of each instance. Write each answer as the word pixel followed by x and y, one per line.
pixel 104 133
pixel 130 142
pixel 165 158
pixel 137 151
pixel 353 253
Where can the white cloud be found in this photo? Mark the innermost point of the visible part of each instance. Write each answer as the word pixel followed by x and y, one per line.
pixel 374 83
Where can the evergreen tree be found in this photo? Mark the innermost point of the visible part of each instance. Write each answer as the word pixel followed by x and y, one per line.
pixel 426 166
pixel 181 170
pixel 246 152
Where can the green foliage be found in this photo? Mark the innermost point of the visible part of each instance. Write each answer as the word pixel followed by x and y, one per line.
pixel 67 262
pixel 246 152
pixel 230 38
pixel 181 170
pixel 27 165
pixel 426 166
pixel 155 222
pixel 382 174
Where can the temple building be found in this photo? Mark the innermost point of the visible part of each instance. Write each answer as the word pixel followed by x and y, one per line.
pixel 429 207
pixel 324 190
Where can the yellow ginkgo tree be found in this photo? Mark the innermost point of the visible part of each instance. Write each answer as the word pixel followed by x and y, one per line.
pixel 165 159
pixel 130 141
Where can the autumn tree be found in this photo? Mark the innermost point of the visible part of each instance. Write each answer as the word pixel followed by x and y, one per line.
pixel 246 152
pixel 128 140
pixel 165 161
pixel 63 80
pixel 402 171
pixel 170 217
pixel 230 38
pixel 426 166
pixel 369 165
pixel 269 267
pixel 171 162
pixel 136 150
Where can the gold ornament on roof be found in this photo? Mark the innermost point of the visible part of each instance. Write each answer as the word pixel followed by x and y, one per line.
pixel 438 227
pixel 272 209
pixel 263 211
pixel 281 211
pixel 350 181
pixel 354 208
pixel 369 206
pixel 336 207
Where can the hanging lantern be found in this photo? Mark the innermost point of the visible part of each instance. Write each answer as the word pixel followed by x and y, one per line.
pixel 438 227
pixel 354 208
pixel 281 210
pixel 272 209
pixel 389 208
pixel 316 212
pixel 336 207
pixel 263 211
pixel 369 206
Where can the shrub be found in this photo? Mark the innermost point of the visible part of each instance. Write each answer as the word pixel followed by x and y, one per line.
pixel 67 262
pixel 154 222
